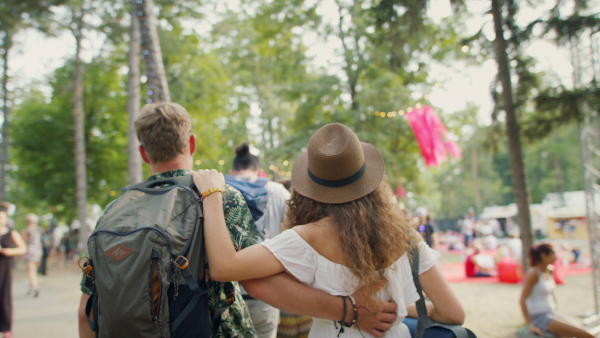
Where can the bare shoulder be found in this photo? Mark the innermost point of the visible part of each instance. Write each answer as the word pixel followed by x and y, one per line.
pixel 323 237
pixel 308 232
pixel 532 276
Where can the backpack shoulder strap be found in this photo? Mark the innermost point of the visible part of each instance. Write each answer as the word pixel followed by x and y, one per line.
pixel 185 181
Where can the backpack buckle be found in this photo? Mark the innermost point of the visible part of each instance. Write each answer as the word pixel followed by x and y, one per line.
pixel 181 262
pixel 87 268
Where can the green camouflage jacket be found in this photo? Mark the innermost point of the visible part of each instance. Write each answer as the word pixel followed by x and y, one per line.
pixel 235 321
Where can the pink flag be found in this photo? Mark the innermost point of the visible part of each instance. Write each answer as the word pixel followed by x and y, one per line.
pixel 400 192
pixel 432 136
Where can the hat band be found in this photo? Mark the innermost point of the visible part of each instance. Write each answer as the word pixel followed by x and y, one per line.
pixel 338 183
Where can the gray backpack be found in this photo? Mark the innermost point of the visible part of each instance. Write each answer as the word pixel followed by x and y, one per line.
pixel 146 267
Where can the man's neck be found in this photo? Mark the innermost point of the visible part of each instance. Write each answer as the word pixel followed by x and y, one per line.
pixel 175 164
pixel 245 173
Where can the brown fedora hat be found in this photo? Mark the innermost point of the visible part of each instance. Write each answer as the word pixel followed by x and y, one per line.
pixel 337 167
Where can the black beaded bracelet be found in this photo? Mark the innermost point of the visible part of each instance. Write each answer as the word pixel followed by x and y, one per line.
pixel 344 308
pixel 355 314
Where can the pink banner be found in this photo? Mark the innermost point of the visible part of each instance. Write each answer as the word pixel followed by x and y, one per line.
pixel 432 136
pixel 400 192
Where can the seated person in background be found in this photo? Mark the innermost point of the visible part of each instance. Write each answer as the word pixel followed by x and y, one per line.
pixel 454 241
pixel 489 241
pixel 538 301
pixel 515 245
pixel 478 264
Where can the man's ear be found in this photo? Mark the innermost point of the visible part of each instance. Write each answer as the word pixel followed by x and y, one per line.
pixel 144 154
pixel 192 144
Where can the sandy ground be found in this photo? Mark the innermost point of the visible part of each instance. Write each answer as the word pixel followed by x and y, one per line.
pixel 492 309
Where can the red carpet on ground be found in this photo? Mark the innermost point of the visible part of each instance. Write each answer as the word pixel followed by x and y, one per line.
pixel 455 273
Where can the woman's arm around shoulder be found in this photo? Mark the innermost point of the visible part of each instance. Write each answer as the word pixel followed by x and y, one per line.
pixel 224 262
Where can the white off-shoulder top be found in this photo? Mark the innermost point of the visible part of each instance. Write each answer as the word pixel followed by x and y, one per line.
pixel 310 268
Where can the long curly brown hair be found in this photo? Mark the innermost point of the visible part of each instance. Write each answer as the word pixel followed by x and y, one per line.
pixel 374 232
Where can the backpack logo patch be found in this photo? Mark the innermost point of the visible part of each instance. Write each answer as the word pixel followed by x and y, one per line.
pixel 119 252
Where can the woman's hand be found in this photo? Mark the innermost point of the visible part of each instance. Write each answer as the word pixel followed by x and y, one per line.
pixel 536 331
pixel 206 179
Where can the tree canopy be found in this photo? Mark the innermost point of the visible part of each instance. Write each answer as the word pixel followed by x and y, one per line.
pixel 253 73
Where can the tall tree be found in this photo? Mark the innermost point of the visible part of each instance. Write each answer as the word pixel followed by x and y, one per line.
pixel 264 53
pixel 43 141
pixel 513 132
pixel 12 19
pixel 6 44
pixel 158 88
pixel 133 98
pixel 77 15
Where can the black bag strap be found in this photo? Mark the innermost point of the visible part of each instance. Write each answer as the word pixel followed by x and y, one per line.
pixel 187 309
pixel 88 309
pixel 424 321
pixel 91 306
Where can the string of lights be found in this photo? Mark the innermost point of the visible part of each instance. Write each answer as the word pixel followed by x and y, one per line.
pixel 399 113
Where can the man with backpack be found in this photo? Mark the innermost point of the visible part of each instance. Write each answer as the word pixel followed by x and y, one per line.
pixel 267 203
pixel 169 299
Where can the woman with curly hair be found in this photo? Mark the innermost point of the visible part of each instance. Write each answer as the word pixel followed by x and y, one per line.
pixel 344 233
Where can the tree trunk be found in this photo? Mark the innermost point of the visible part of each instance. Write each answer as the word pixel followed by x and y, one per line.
pixel 517 166
pixel 7 44
pixel 475 172
pixel 449 199
pixel 78 119
pixel 158 89
pixel 133 99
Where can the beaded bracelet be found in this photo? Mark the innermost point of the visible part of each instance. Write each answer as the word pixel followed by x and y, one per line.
pixel 341 329
pixel 344 308
pixel 355 315
pixel 210 191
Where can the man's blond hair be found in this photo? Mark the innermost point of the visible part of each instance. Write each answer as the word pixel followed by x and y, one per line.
pixel 164 130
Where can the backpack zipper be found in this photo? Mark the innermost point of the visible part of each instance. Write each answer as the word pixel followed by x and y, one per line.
pixel 155 268
pixel 194 197
pixel 160 232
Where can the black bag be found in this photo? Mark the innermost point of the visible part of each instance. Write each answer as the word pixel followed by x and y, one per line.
pixel 425 326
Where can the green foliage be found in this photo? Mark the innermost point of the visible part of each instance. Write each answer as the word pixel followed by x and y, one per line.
pixel 552 166
pixel 15 14
pixel 43 145
pixel 556 107
pixel 566 29
pixel 251 79
pixel 43 152
pixel 197 81
pixel 267 70
pixel 554 163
